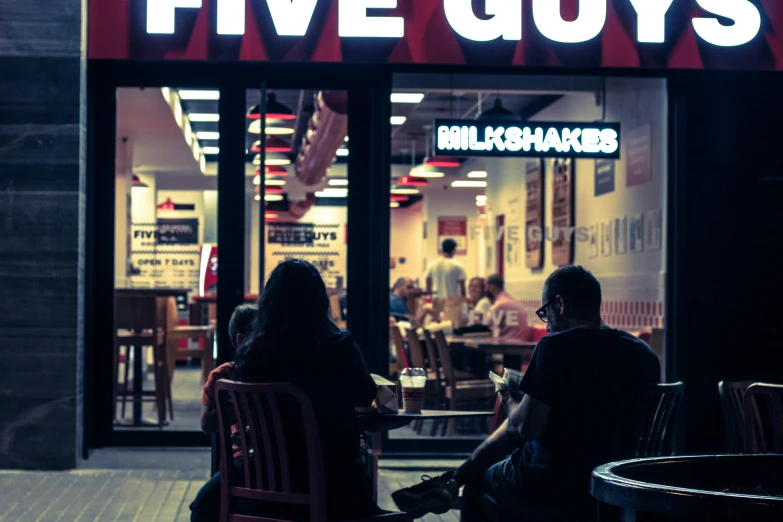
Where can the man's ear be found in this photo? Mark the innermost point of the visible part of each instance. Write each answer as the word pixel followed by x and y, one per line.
pixel 560 305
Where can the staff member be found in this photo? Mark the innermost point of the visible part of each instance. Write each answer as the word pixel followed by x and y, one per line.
pixel 446 274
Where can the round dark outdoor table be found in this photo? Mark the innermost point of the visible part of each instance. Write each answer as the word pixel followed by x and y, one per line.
pixel 691 488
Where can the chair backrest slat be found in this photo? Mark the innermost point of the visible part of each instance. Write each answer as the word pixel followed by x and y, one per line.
pixel 256 412
pixel 731 393
pixel 445 357
pixel 414 345
pixel 651 415
pixel 758 426
pixel 432 356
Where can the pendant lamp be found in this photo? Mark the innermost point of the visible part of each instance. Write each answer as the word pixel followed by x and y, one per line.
pixel 137 183
pixel 273 159
pixel 271 129
pixel 273 144
pixel 275 111
pixel 498 112
pixel 410 181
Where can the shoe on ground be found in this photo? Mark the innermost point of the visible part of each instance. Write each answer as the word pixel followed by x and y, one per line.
pixel 433 495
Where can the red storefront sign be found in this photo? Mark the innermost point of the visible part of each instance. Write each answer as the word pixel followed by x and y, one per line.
pixel 657 34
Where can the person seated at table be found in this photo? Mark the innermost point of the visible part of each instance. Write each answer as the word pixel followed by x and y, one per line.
pixel 506 316
pixel 476 309
pixel 296 341
pixel 400 293
pixel 562 419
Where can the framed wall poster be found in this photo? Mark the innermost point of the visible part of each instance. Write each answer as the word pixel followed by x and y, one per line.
pixel 604 177
pixel 636 233
pixel 638 148
pixel 514 256
pixel 653 222
pixel 562 211
pixel 534 214
pixel 621 235
pixel 592 244
pixel 456 228
pixel 606 238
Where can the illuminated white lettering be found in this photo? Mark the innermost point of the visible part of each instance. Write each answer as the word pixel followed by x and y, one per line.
pixel 444 138
pixel 609 144
pixel 589 23
pixel 160 14
pixel 506 19
pixel 532 137
pixel 494 137
pixel 651 19
pixel 354 22
pixel 230 17
pixel 455 138
pixel 514 139
pixel 291 17
pixel 571 140
pixel 591 139
pixel 747 22
pixel 465 144
pixel 475 144
pixel 552 141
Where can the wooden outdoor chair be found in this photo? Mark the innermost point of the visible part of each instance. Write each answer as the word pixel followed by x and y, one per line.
pixel 762 404
pixel 174 333
pixel 267 475
pixel 731 393
pixel 137 324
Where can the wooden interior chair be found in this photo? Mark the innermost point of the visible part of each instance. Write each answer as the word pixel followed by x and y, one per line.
pixel 399 346
pixel 267 475
pixel 136 324
pixel 731 393
pixel 762 404
pixel 175 333
pixel 460 393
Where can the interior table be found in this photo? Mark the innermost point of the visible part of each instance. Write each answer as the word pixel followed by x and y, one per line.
pixel 479 349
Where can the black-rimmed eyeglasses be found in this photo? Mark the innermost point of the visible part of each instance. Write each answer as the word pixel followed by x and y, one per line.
pixel 541 312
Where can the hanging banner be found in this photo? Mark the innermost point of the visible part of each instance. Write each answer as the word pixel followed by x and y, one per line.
pixel 456 228
pixel 534 215
pixel 562 212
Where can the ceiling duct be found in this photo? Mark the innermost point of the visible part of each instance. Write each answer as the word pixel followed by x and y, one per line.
pixel 326 133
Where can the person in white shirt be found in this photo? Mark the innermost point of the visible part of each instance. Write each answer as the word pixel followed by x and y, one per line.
pixel 446 275
pixel 476 309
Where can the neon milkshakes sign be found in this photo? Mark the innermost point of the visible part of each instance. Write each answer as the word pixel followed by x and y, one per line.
pixel 529 139
pixel 356 19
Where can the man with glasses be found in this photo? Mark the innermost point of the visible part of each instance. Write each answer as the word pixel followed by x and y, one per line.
pixel 561 421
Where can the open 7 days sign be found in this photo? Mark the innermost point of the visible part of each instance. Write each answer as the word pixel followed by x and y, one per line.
pixel 528 139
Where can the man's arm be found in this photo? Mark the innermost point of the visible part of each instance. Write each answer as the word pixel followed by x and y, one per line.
pixel 528 418
pixel 429 284
pixel 495 448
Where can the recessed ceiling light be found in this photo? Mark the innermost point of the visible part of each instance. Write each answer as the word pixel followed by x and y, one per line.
pixel 338 182
pixel 394 204
pixel 201 117
pixel 336 191
pixel 477 174
pixel 257 197
pixel 199 95
pixel 342 152
pixel 406 97
pixel 405 191
pixel 205 135
pixel 210 150
pixel 274 182
pixel 398 120
pixel 462 183
pixel 481 197
pixel 273 197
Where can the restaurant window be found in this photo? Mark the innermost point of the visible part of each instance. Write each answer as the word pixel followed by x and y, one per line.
pixel 166 256
pixel 520 213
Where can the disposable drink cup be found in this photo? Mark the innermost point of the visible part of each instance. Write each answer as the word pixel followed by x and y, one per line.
pixel 412 382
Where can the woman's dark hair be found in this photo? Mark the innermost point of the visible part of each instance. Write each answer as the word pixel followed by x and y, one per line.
pixel 293 321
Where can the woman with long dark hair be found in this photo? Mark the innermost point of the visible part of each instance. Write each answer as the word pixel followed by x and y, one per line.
pixel 297 341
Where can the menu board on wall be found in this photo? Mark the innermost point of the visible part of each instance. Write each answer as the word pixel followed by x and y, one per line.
pixel 562 211
pixel 456 228
pixel 161 256
pixel 534 215
pixel 177 231
pixel 322 244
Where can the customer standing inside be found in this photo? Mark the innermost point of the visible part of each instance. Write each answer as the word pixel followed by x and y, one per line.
pixel 446 276
pixel 297 342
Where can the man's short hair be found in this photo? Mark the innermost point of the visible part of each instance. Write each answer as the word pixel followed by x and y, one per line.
pixel 579 287
pixel 496 280
pixel 399 282
pixel 448 246
pixel 243 321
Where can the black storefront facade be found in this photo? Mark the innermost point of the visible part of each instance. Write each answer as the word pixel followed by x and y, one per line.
pixel 724 180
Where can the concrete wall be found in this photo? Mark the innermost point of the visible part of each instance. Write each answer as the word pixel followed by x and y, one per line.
pixel 41 203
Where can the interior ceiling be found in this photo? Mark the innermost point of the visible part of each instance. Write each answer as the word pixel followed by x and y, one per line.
pixel 159 146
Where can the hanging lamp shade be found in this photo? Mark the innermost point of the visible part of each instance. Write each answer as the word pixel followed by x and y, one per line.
pixel 272 159
pixel 398 199
pixel 273 144
pixel 272 128
pixel 426 171
pixel 442 161
pixel 410 181
pixel 498 112
pixel 275 111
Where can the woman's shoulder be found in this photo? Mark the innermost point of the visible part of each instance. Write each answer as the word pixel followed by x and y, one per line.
pixel 340 338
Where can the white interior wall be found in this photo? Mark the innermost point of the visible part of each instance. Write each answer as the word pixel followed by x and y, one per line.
pixel 406 242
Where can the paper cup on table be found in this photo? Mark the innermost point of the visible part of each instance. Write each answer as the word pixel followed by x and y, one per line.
pixel 412 383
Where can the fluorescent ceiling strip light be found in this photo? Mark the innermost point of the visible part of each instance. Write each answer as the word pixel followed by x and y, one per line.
pixel 477 174
pixel 210 150
pixel 342 152
pixel 462 183
pixel 203 117
pixel 407 97
pixel 338 182
pixel 199 95
pixel 398 120
pixel 405 191
pixel 208 135
pixel 273 197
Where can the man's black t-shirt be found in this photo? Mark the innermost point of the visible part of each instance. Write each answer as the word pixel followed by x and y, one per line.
pixel 586 376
